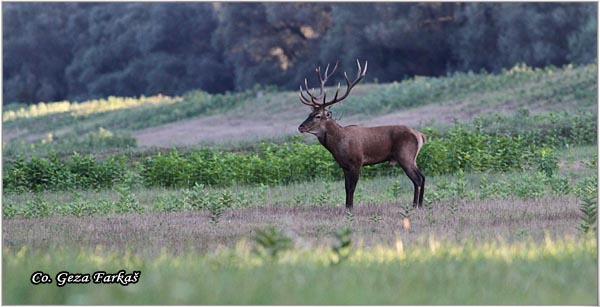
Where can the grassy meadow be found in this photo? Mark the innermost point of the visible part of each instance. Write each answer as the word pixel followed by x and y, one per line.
pixel 432 272
pixel 509 217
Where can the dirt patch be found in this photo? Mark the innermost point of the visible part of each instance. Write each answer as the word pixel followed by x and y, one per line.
pixel 237 127
pixel 218 128
pixel 413 117
pixel 11 134
pixel 258 124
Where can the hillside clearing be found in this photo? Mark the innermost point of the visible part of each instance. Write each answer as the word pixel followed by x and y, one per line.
pixel 237 127
pixel 200 118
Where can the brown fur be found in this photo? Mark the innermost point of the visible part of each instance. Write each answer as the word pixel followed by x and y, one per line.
pixel 355 146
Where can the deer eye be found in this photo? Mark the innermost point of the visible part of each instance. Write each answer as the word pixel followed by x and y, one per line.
pixel 318 116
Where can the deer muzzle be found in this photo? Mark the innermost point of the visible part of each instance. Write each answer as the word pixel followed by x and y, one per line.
pixel 302 129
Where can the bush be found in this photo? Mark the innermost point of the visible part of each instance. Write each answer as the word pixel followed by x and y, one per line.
pixel 467 150
pixel 552 129
pixel 50 173
pixel 457 149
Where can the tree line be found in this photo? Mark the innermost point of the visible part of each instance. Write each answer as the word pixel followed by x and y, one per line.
pixel 79 51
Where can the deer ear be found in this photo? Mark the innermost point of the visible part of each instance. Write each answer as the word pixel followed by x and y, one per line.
pixel 327 113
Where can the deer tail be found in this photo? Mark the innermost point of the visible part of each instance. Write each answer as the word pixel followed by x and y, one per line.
pixel 420 141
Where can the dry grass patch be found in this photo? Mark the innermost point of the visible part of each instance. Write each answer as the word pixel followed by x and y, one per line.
pixel 381 224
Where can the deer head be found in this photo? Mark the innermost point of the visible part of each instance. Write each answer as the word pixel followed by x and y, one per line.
pixel 320 106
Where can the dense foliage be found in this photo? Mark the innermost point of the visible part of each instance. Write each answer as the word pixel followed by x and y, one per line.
pixel 458 149
pixel 78 51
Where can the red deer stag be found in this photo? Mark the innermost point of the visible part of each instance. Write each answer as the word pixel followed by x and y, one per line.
pixel 354 146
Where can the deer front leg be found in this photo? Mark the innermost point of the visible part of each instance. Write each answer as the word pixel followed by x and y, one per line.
pixel 351 176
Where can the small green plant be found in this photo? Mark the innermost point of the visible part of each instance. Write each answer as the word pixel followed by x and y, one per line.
pixel 196 198
pixel 547 162
pixel 521 233
pixel 592 163
pixel 216 208
pixel 559 185
pixel 529 186
pixel 9 210
pixel 407 210
pixel 263 191
pixel 342 247
pixel 588 206
pixel 349 216
pixel 430 217
pixel 168 203
pixel 376 218
pixel 406 213
pixel 394 190
pixel 461 184
pixel 298 199
pixel 270 242
pixel 226 199
pixel 324 197
pixel 127 202
pixel 453 206
pixel 77 207
pixel 37 207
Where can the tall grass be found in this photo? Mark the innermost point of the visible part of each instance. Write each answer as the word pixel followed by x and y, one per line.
pixel 560 271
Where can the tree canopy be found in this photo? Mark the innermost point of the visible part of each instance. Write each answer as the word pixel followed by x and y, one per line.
pixel 78 51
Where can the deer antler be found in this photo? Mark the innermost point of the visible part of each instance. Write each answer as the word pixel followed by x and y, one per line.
pixel 320 101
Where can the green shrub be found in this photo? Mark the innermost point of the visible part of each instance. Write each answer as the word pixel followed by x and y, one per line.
pixel 553 129
pixel 456 149
pixel 463 149
pixel 270 242
pixel 127 202
pixel 343 246
pixel 51 173
pixel 168 203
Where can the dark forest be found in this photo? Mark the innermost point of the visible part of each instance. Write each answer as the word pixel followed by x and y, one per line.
pixel 79 51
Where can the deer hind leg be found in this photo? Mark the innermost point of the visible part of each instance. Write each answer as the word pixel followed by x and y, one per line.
pixel 414 174
pixel 422 190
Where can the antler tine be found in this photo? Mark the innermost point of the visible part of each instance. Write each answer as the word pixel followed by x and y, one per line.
pixel 332 72
pixel 364 71
pixel 327 76
pixel 316 101
pixel 313 98
pixel 360 74
pixel 305 100
pixel 337 91
pixel 322 88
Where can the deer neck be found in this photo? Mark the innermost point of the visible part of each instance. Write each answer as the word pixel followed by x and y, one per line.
pixel 330 134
